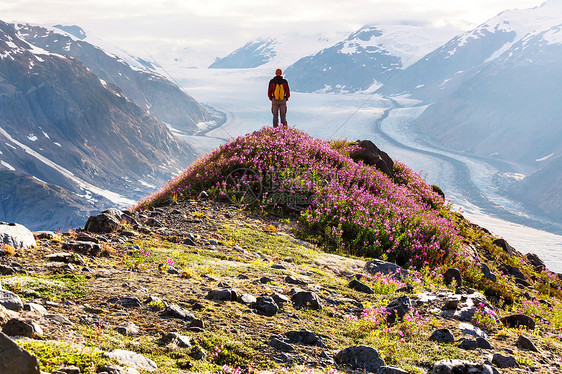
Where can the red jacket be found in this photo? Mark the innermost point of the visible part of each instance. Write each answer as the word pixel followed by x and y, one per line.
pixel 278 80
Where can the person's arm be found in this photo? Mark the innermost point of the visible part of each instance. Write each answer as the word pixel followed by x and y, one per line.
pixel 270 90
pixel 287 91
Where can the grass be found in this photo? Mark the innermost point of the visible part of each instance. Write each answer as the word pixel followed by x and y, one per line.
pixel 55 287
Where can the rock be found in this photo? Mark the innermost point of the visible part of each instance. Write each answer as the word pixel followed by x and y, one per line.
pixel 5 315
pixel 223 294
pixel 537 263
pixel 459 367
pixel 505 246
pixel 468 344
pixel 280 299
pixel 442 336
pixel 379 266
pixel 10 300
pixel 453 274
pixel 198 323
pixel 107 221
pixel 114 369
pixel 18 327
pixel 519 320
pixel 16 235
pixel 66 257
pixel 504 362
pixel 525 343
pixel 405 289
pixel 128 329
pixel 278 344
pixel 85 248
pixel 44 234
pixel 132 359
pixel 360 357
pixel 391 370
pixel 176 311
pixel 306 337
pixel 6 270
pixel 483 343
pixel 181 341
pixel 292 280
pixel 266 305
pixel 67 370
pixel 487 272
pixel 198 353
pixel 452 303
pixel 126 301
pixel 468 329
pixel 246 299
pixel 16 360
pixel 398 308
pixel 371 155
pixel 361 287
pixel 306 299
pixel 58 318
pixel 278 267
pixel 266 280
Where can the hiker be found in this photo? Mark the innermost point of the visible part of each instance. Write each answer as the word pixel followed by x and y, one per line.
pixel 279 93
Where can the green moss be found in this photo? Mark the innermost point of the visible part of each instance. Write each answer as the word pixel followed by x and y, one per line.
pixel 54 287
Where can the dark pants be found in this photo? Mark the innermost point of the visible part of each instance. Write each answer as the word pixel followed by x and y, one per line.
pixel 279 107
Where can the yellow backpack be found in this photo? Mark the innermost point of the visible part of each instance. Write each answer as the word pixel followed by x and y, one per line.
pixel 279 92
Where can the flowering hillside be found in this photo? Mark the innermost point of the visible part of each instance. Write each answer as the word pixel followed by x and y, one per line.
pixel 353 206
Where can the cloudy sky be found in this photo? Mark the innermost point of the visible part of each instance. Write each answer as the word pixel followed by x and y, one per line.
pixel 223 25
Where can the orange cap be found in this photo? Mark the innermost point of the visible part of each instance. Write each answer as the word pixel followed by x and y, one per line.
pixel 278 72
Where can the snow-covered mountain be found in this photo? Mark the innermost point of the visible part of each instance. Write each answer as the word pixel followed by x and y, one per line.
pixel 496 92
pixel 62 125
pixel 251 55
pixel 366 59
pixel 134 76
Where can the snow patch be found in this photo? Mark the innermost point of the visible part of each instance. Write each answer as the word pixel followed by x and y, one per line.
pixel 58 144
pixel 32 137
pixel 46 135
pixel 544 158
pixel 7 166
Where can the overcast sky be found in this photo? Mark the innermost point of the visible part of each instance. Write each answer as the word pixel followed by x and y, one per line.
pixel 227 24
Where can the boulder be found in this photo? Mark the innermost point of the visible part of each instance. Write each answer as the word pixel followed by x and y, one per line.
pixel 16 235
pixel 442 336
pixel 398 308
pixel 361 287
pixel 516 320
pixel 537 263
pixel 379 266
pixel 504 362
pixel 460 367
pixel 305 337
pixel 177 311
pixel 278 343
pixel 223 294
pixel 391 370
pixel 127 328
pixel 487 272
pixel 132 359
pixel 371 155
pixel 107 221
pixel 306 299
pixel 266 305
pixel 126 301
pixel 10 300
pixel 18 327
pixel 360 357
pixel 505 246
pixel 525 343
pixel 453 274
pixel 16 360
pixel 181 341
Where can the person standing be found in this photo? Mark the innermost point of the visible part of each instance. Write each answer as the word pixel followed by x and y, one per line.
pixel 278 92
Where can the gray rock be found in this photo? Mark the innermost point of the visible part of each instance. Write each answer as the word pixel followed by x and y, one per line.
pixel 361 287
pixel 114 369
pixel 516 320
pixel 306 337
pixel 487 272
pixel 468 329
pixel 107 221
pixel 525 343
pixel 391 370
pixel 278 267
pixel 483 343
pixel 67 370
pixel 68 258
pixel 459 367
pixel 360 357
pixel 177 311
pixel 223 294
pixel 58 318
pixel 306 299
pixel 16 360
pixel 198 353
pixel 453 274
pixel 279 345
pixel 266 305
pixel 379 266
pixel 468 344
pixel 292 280
pixel 16 235
pixel 85 248
pixel 127 328
pixel 442 336
pixel 247 299
pixel 537 263
pixel 10 300
pixel 132 359
pixel 181 341
pixel 265 280
pixel 126 301
pixel 398 308
pixel 504 362
pixel 18 327
pixel 505 246
pixel 280 299
pixel 371 155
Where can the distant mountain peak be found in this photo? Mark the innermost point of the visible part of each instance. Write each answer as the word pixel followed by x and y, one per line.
pixel 73 30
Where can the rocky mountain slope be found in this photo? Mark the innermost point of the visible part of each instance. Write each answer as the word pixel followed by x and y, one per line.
pixel 62 124
pixel 193 284
pixel 160 97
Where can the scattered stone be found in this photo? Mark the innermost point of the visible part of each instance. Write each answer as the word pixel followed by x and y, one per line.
pixel 247 299
pixel 177 311
pixel 153 222
pixel 469 329
pixel 67 370
pixel 18 327
pixel 452 303
pixel 5 315
pixel 44 234
pixel 277 343
pixel 266 280
pixel 128 328
pixel 519 320
pixel 483 343
pixel 371 155
pixel 406 289
pixel 360 357
pixel 280 299
pixel 190 242
pixel 16 360
pixel 361 287
pixel 391 370
pixel 266 305
pixel 126 301
pixel 453 274
pixel 487 272
pixel 10 300
pixel 181 341
pixel 459 367
pixel 398 308
pixel 58 318
pixel 292 280
pixel 6 270
pixel 114 369
pixel 306 337
pixel 223 294
pixel 504 362
pixel 16 235
pixel 198 353
pixel 525 343
pixel 278 267
pixel 306 299
pixel 442 336
pixel 537 263
pixel 107 221
pixel 379 266
pixel 132 359
pixel 85 248
pixel 66 257
pixel 197 323
pixel 468 344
